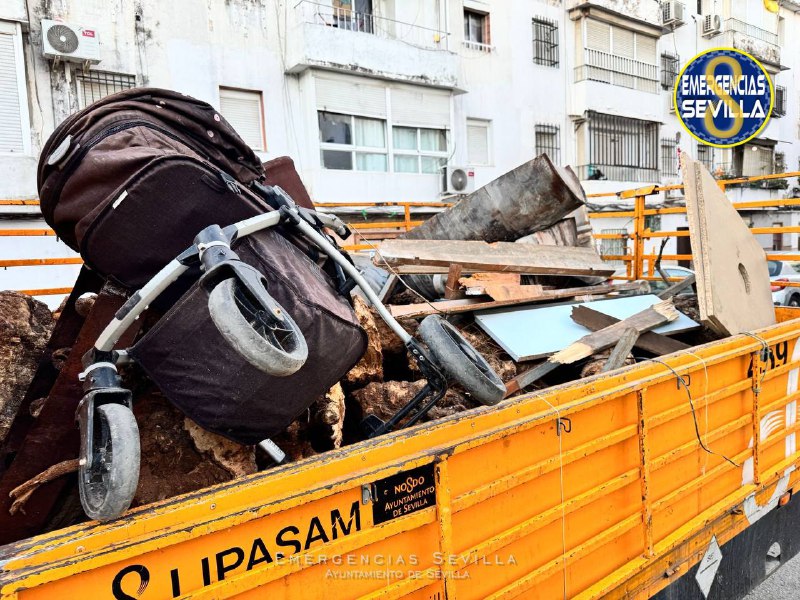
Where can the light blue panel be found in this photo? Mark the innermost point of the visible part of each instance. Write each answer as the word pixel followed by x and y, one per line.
pixel 530 332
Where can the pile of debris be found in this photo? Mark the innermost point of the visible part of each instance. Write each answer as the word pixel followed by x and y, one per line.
pixel 507 266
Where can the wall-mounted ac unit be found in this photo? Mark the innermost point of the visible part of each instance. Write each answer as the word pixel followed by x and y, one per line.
pixel 459 180
pixel 672 13
pixel 712 25
pixel 76 43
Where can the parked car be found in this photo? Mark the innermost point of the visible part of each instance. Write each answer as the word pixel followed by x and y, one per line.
pixel 784 271
pixel 659 285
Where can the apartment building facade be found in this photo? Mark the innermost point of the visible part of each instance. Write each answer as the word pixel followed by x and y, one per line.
pixel 375 98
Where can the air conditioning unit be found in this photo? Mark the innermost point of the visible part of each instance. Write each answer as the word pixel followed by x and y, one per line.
pixel 75 43
pixel 459 180
pixel 712 25
pixel 672 13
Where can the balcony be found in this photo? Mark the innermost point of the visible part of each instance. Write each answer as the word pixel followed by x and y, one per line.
pixel 762 44
pixel 337 38
pixel 617 70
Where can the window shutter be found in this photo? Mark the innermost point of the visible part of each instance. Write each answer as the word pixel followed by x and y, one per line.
pixel 646 49
pixel 420 107
pixel 10 111
pixel 478 143
pixel 598 36
pixel 623 42
pixel 242 109
pixel 351 96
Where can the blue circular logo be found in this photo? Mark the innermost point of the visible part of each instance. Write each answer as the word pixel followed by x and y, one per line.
pixel 723 97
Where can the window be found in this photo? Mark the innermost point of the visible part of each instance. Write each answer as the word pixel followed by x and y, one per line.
pixel 619 148
pixel 548 142
pixel 614 246
pixel 652 222
pixel 476 30
pixel 669 70
pixel 94 85
pixel 705 154
pixel 750 160
pixel 477 142
pixel 244 110
pixel 669 157
pixel 352 143
pixel 371 125
pixel 780 162
pixel 353 15
pixel 419 150
pixel 779 110
pixel 14 124
pixel 545 42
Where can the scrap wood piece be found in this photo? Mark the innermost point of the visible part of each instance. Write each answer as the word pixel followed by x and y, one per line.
pixel 499 286
pixel 649 341
pixel 451 290
pixel 370 367
pixel 678 287
pixel 643 321
pixel 449 307
pixel 21 493
pixel 621 350
pixel 501 256
pixel 732 276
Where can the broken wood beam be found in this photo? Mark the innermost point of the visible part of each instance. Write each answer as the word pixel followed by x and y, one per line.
pixel 451 289
pixel 678 287
pixel 621 351
pixel 501 256
pixel 649 341
pixel 643 321
pixel 449 307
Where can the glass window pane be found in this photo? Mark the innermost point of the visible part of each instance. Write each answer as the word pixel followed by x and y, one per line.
pixel 334 128
pixel 432 164
pixel 370 133
pixel 406 164
pixel 404 138
pixel 370 162
pixel 432 140
pixel 332 159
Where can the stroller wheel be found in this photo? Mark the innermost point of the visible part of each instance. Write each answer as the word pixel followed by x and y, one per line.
pixel 460 361
pixel 274 347
pixel 107 487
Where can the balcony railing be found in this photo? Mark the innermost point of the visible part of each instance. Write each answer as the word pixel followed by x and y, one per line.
pixel 479 46
pixel 598 172
pixel 762 44
pixel 345 19
pixel 618 70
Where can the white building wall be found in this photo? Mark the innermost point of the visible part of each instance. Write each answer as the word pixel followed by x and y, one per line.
pixel 276 47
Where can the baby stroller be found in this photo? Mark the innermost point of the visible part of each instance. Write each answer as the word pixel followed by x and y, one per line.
pixel 253 329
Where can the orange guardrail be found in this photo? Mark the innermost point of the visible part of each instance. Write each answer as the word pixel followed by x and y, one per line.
pixel 641 264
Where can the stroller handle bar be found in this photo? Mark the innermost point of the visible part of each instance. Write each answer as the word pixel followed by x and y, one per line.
pixel 140 301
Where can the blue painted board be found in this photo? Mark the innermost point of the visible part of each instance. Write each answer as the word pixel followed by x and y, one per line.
pixel 530 332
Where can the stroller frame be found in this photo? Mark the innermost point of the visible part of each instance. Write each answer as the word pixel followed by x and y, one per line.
pixel 108 477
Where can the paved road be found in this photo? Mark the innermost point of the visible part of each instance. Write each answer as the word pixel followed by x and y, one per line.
pixel 784 584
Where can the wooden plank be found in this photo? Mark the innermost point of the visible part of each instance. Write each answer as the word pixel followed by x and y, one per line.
pixel 643 321
pixel 451 289
pixel 388 287
pixel 500 256
pixel 649 341
pixel 732 276
pixel 412 311
pixel 678 287
pixel 621 351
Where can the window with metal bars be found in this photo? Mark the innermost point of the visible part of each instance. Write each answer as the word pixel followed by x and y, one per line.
pixel 545 42
pixel 548 141
pixel 94 85
pixel 620 149
pixel 779 110
pixel 669 157
pixel 669 69
pixel 705 154
pixel 780 162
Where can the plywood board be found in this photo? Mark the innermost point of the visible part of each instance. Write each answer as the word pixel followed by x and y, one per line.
pixel 501 256
pixel 733 290
pixel 531 332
